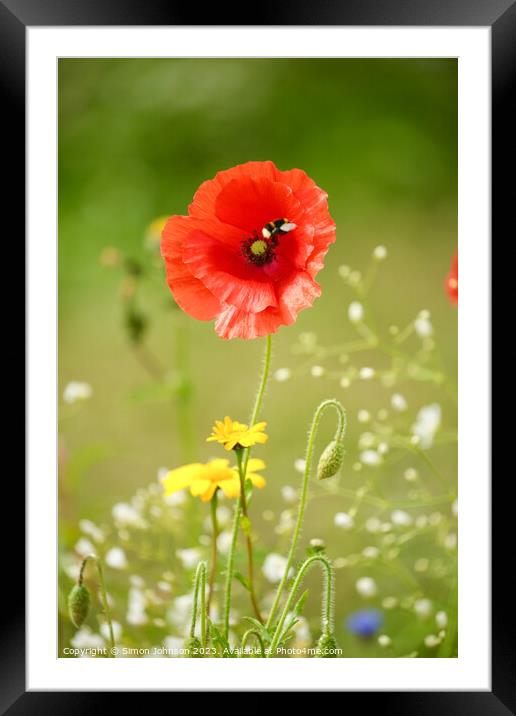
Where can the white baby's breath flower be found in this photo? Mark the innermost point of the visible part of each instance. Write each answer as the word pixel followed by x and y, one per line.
pixel 380 253
pixel 364 416
pixel 317 371
pixel 366 587
pixel 224 542
pixel 384 640
pixel 431 641
pixel 401 518
pixel 282 374
pixel 286 523
pixel 370 458
pixel 366 440
pixel 455 508
pixel 423 327
pixel 300 465
pixel 398 402
pixel 373 525
pixel 343 520
pixel 289 493
pixel 179 612
pixel 84 638
pixel 117 630
pixel 75 390
pixel 355 312
pixel 410 474
pixel 366 373
pixel 125 515
pixel 83 547
pixel 274 567
pixel 427 424
pixel 423 608
pixel 189 557
pixel 370 552
pixel 383 448
pixel 115 558
pixel 161 473
pixel 441 619
pixel 89 528
pixel 345 382
pixel 344 271
pixel 136 603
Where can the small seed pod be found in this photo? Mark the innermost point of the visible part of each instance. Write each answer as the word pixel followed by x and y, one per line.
pixel 78 605
pixel 327 647
pixel 192 647
pixel 330 461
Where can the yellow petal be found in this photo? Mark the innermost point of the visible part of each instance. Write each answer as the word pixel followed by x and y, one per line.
pixel 206 496
pixel 255 463
pixel 259 426
pixel 257 480
pixel 231 488
pixel 181 477
pixel 198 487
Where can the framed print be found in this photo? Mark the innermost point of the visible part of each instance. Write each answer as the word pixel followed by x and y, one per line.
pixel 258 414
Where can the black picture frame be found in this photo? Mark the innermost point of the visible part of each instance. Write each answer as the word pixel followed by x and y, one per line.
pixel 500 16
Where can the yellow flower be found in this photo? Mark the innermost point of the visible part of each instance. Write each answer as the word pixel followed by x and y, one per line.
pixel 204 478
pixel 231 433
pixel 153 233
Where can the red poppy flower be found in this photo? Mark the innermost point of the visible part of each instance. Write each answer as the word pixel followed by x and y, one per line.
pixel 452 281
pixel 248 252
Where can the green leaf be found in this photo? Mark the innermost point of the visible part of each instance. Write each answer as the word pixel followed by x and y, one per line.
pixel 301 602
pixel 264 633
pixel 243 580
pixel 220 640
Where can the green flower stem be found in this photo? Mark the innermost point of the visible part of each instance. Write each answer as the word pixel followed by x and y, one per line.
pixel 103 593
pixel 339 435
pixel 327 602
pixel 185 395
pixel 238 509
pixel 248 537
pixel 214 535
pixel 245 639
pixel 199 583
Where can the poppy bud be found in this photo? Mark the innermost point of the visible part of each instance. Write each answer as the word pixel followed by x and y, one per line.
pixel 78 605
pixel 192 648
pixel 330 461
pixel 327 647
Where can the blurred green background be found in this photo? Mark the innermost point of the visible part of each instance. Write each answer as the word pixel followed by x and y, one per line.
pixel 136 138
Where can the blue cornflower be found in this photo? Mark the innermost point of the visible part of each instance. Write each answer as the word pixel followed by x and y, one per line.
pixel 365 622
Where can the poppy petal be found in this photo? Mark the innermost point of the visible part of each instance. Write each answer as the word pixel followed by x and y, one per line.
pixel 226 275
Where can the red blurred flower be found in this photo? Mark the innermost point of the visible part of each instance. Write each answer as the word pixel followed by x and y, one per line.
pixel 452 280
pixel 222 265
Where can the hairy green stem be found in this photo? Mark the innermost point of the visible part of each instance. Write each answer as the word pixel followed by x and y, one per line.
pixel 339 436
pixel 327 601
pixel 238 509
pixel 214 555
pixel 199 584
pixel 103 593
pixel 248 538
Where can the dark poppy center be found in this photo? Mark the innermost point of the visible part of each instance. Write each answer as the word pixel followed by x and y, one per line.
pixel 258 251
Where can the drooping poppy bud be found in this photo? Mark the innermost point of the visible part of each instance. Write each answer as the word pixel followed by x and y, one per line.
pixel 78 605
pixel 330 461
pixel 327 647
